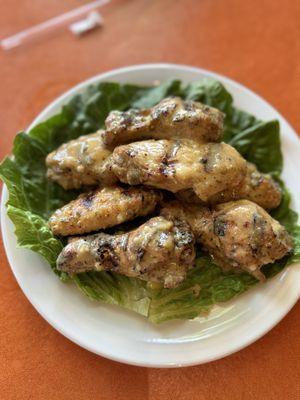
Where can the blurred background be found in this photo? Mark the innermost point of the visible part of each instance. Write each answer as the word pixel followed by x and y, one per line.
pixel 254 42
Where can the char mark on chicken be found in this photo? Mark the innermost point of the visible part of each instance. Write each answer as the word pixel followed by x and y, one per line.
pixel 177 165
pixel 238 234
pixel 81 162
pixel 172 118
pixel 159 251
pixel 103 208
pixel 256 186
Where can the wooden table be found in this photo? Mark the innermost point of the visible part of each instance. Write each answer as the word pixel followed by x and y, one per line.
pixel 254 42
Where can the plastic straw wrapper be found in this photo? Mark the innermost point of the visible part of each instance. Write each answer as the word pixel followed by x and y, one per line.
pixel 59 22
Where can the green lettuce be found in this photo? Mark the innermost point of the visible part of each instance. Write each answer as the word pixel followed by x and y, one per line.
pixel 32 198
pixel 115 289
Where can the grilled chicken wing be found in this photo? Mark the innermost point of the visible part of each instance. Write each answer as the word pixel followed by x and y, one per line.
pixel 169 119
pixel 83 161
pixel 161 250
pixel 179 164
pixel 103 208
pixel 237 234
pixel 257 187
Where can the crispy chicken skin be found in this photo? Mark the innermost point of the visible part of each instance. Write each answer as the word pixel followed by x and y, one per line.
pixel 103 208
pixel 256 186
pixel 161 250
pixel 237 234
pixel 169 119
pixel 83 161
pixel 176 165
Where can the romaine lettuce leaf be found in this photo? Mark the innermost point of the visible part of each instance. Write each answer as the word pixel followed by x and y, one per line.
pixel 32 198
pixel 205 286
pixel 115 289
pixel 260 144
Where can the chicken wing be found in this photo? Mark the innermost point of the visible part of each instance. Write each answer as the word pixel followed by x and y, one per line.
pixel 179 164
pixel 83 161
pixel 237 234
pixel 161 250
pixel 103 208
pixel 257 187
pixel 169 119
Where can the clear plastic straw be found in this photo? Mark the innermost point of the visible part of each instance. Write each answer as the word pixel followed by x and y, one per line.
pixel 50 25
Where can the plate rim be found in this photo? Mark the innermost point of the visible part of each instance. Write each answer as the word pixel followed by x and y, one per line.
pixel 60 99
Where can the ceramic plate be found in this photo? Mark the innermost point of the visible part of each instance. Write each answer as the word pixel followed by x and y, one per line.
pixel 126 337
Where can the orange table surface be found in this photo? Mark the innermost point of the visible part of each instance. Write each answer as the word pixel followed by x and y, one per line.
pixel 254 42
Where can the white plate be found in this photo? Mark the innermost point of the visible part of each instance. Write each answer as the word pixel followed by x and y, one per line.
pixel 124 336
